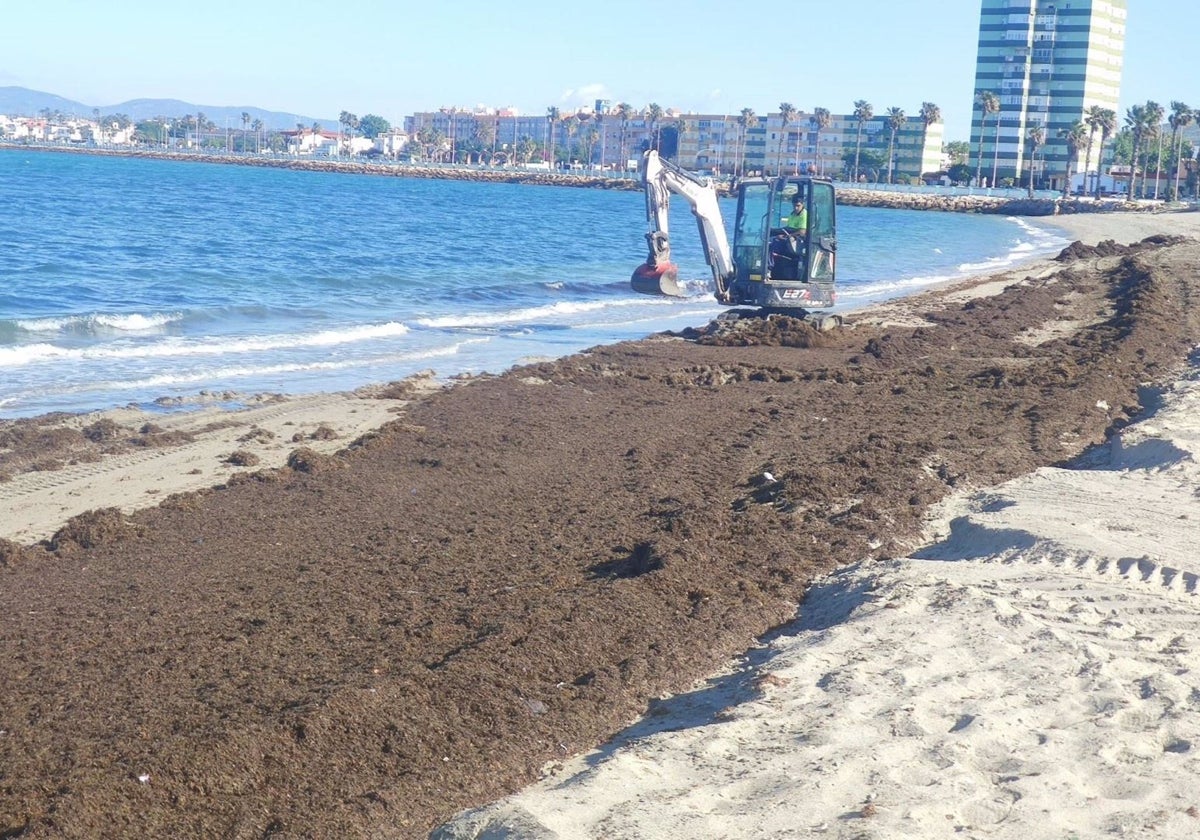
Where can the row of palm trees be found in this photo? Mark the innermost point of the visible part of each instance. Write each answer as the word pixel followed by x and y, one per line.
pixel 1144 123
pixel 560 123
pixel 577 123
pixel 581 131
pixel 896 119
pixel 1097 119
pixel 747 120
pixel 820 120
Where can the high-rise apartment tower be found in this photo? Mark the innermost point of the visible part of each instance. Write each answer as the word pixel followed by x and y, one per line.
pixel 1046 64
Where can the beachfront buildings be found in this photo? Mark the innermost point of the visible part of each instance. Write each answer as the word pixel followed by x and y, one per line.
pixel 1045 64
pixel 612 138
pixel 72 130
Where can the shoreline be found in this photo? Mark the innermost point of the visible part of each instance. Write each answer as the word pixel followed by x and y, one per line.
pixel 847 193
pixel 193 441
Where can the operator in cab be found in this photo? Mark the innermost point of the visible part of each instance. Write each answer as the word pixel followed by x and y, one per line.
pixel 797 222
pixel 787 247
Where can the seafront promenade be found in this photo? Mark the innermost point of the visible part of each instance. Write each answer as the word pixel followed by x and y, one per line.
pixel 946 199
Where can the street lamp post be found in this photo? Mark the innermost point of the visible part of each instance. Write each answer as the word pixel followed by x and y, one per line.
pixel 721 145
pixel 1158 168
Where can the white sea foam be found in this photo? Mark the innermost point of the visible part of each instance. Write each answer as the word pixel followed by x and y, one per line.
pixel 26 353
pixel 889 288
pixel 217 374
pixel 32 353
pixel 1033 241
pixel 689 312
pixel 134 322
pixel 533 313
pixel 45 325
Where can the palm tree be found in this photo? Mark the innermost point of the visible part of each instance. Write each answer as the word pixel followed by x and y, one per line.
pixel 245 128
pixel 201 124
pixel 257 125
pixel 352 124
pixel 746 120
pixel 988 103
pixel 570 128
pixel 600 130
pixel 553 115
pixel 1075 137
pixel 344 119
pixel 822 119
pixel 1181 117
pixel 1137 121
pixel 1107 121
pixel 1092 118
pixel 895 121
pixel 624 114
pixel 485 136
pixel 862 112
pixel 587 143
pixel 1037 136
pixel 451 113
pixel 525 148
pixel 930 114
pixel 1154 118
pixel 787 113
pixel 654 113
pixel 996 144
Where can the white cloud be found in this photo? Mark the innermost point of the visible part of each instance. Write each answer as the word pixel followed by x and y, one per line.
pixel 586 94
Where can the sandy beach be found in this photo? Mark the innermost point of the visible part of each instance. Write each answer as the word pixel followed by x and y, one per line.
pixel 1028 669
pixel 966 521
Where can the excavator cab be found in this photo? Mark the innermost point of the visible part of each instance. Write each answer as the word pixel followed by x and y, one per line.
pixel 776 267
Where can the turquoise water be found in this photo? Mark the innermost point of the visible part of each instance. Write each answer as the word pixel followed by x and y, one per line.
pixel 126 280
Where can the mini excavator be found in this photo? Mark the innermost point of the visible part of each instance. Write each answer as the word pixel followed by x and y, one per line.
pixel 770 266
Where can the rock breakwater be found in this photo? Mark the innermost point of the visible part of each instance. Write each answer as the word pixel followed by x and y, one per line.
pixel 849 196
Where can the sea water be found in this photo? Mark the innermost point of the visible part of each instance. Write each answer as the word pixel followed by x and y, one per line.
pixel 127 280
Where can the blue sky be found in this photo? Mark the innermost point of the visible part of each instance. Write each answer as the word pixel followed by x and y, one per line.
pixel 320 58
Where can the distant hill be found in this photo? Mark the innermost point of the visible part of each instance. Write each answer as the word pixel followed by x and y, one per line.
pixel 23 102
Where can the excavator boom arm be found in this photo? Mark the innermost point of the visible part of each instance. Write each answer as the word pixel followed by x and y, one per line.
pixel 661 178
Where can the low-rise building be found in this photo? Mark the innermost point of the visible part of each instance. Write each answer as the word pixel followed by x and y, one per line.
pixel 391 144
pixel 307 141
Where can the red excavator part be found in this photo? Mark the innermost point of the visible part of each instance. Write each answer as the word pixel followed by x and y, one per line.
pixel 659 279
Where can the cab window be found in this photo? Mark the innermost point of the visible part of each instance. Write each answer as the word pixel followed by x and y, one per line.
pixel 821 211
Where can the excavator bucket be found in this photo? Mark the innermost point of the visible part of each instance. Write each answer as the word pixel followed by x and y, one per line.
pixel 660 279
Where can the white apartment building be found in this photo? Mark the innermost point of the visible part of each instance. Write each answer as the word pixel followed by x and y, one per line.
pixel 1048 63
